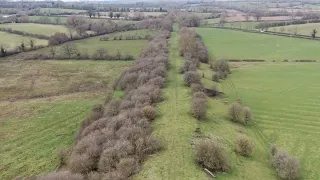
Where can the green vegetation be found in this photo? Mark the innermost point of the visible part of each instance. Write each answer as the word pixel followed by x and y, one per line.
pixel 284 110
pixel 13 40
pixel 52 18
pixel 59 10
pixel 32 130
pixel 43 29
pixel 241 45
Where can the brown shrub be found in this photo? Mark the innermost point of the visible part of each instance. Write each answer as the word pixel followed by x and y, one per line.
pixel 149 112
pixel 143 78
pixel 112 109
pixel 216 77
pixel 127 104
pixel 199 95
pixel 128 166
pixel 115 175
pixel 158 81
pixel 95 114
pixel 159 71
pixel 199 108
pixel 128 80
pixel 94 176
pixel 156 95
pixel 236 112
pixel 287 167
pixel 211 155
pixel 247 114
pixel 191 77
pixel 221 66
pixel 63 154
pixel 196 87
pixel 244 145
pixel 61 175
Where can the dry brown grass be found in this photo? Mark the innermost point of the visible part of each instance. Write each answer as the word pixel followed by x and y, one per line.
pixel 37 79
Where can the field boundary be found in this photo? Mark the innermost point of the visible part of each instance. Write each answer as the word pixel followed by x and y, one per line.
pixel 268 33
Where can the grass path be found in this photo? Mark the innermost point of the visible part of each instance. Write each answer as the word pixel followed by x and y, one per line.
pixel 175 128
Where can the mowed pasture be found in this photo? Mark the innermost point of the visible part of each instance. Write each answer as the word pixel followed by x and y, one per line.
pixel 43 29
pixel 283 99
pixel 231 44
pixel 33 129
pixel 303 29
pixel 11 41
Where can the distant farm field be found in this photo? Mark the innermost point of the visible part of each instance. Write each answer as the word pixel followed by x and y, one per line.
pixel 303 29
pixel 285 108
pixel 90 45
pixel 33 129
pixel 12 40
pixel 241 45
pixel 59 10
pixel 43 29
pixel 63 19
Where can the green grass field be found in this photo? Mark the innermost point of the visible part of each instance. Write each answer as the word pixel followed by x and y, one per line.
pixel 303 29
pixel 241 45
pixel 282 97
pixel 31 130
pixel 43 29
pixel 13 40
pixel 52 18
pixel 59 10
pixel 175 127
pixel 90 45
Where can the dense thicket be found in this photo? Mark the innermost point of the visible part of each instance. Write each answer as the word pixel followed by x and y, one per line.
pixel 287 167
pixel 210 155
pixel 116 137
pixel 191 45
pixel 240 113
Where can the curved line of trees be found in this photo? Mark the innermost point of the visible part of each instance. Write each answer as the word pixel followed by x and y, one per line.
pixel 116 137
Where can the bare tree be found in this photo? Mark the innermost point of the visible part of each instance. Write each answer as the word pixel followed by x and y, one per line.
pixel 69 49
pixel 111 15
pixel 32 43
pixel 118 15
pixel 22 46
pixel 3 50
pixel 53 51
pixel 82 30
pixel 258 15
pixel 70 31
pixel 74 21
pixel 314 33
pixel 247 17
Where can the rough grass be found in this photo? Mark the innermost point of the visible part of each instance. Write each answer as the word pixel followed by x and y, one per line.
pixel 13 40
pixel 175 127
pixel 43 29
pixel 284 105
pixel 241 45
pixel 30 79
pixel 31 130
